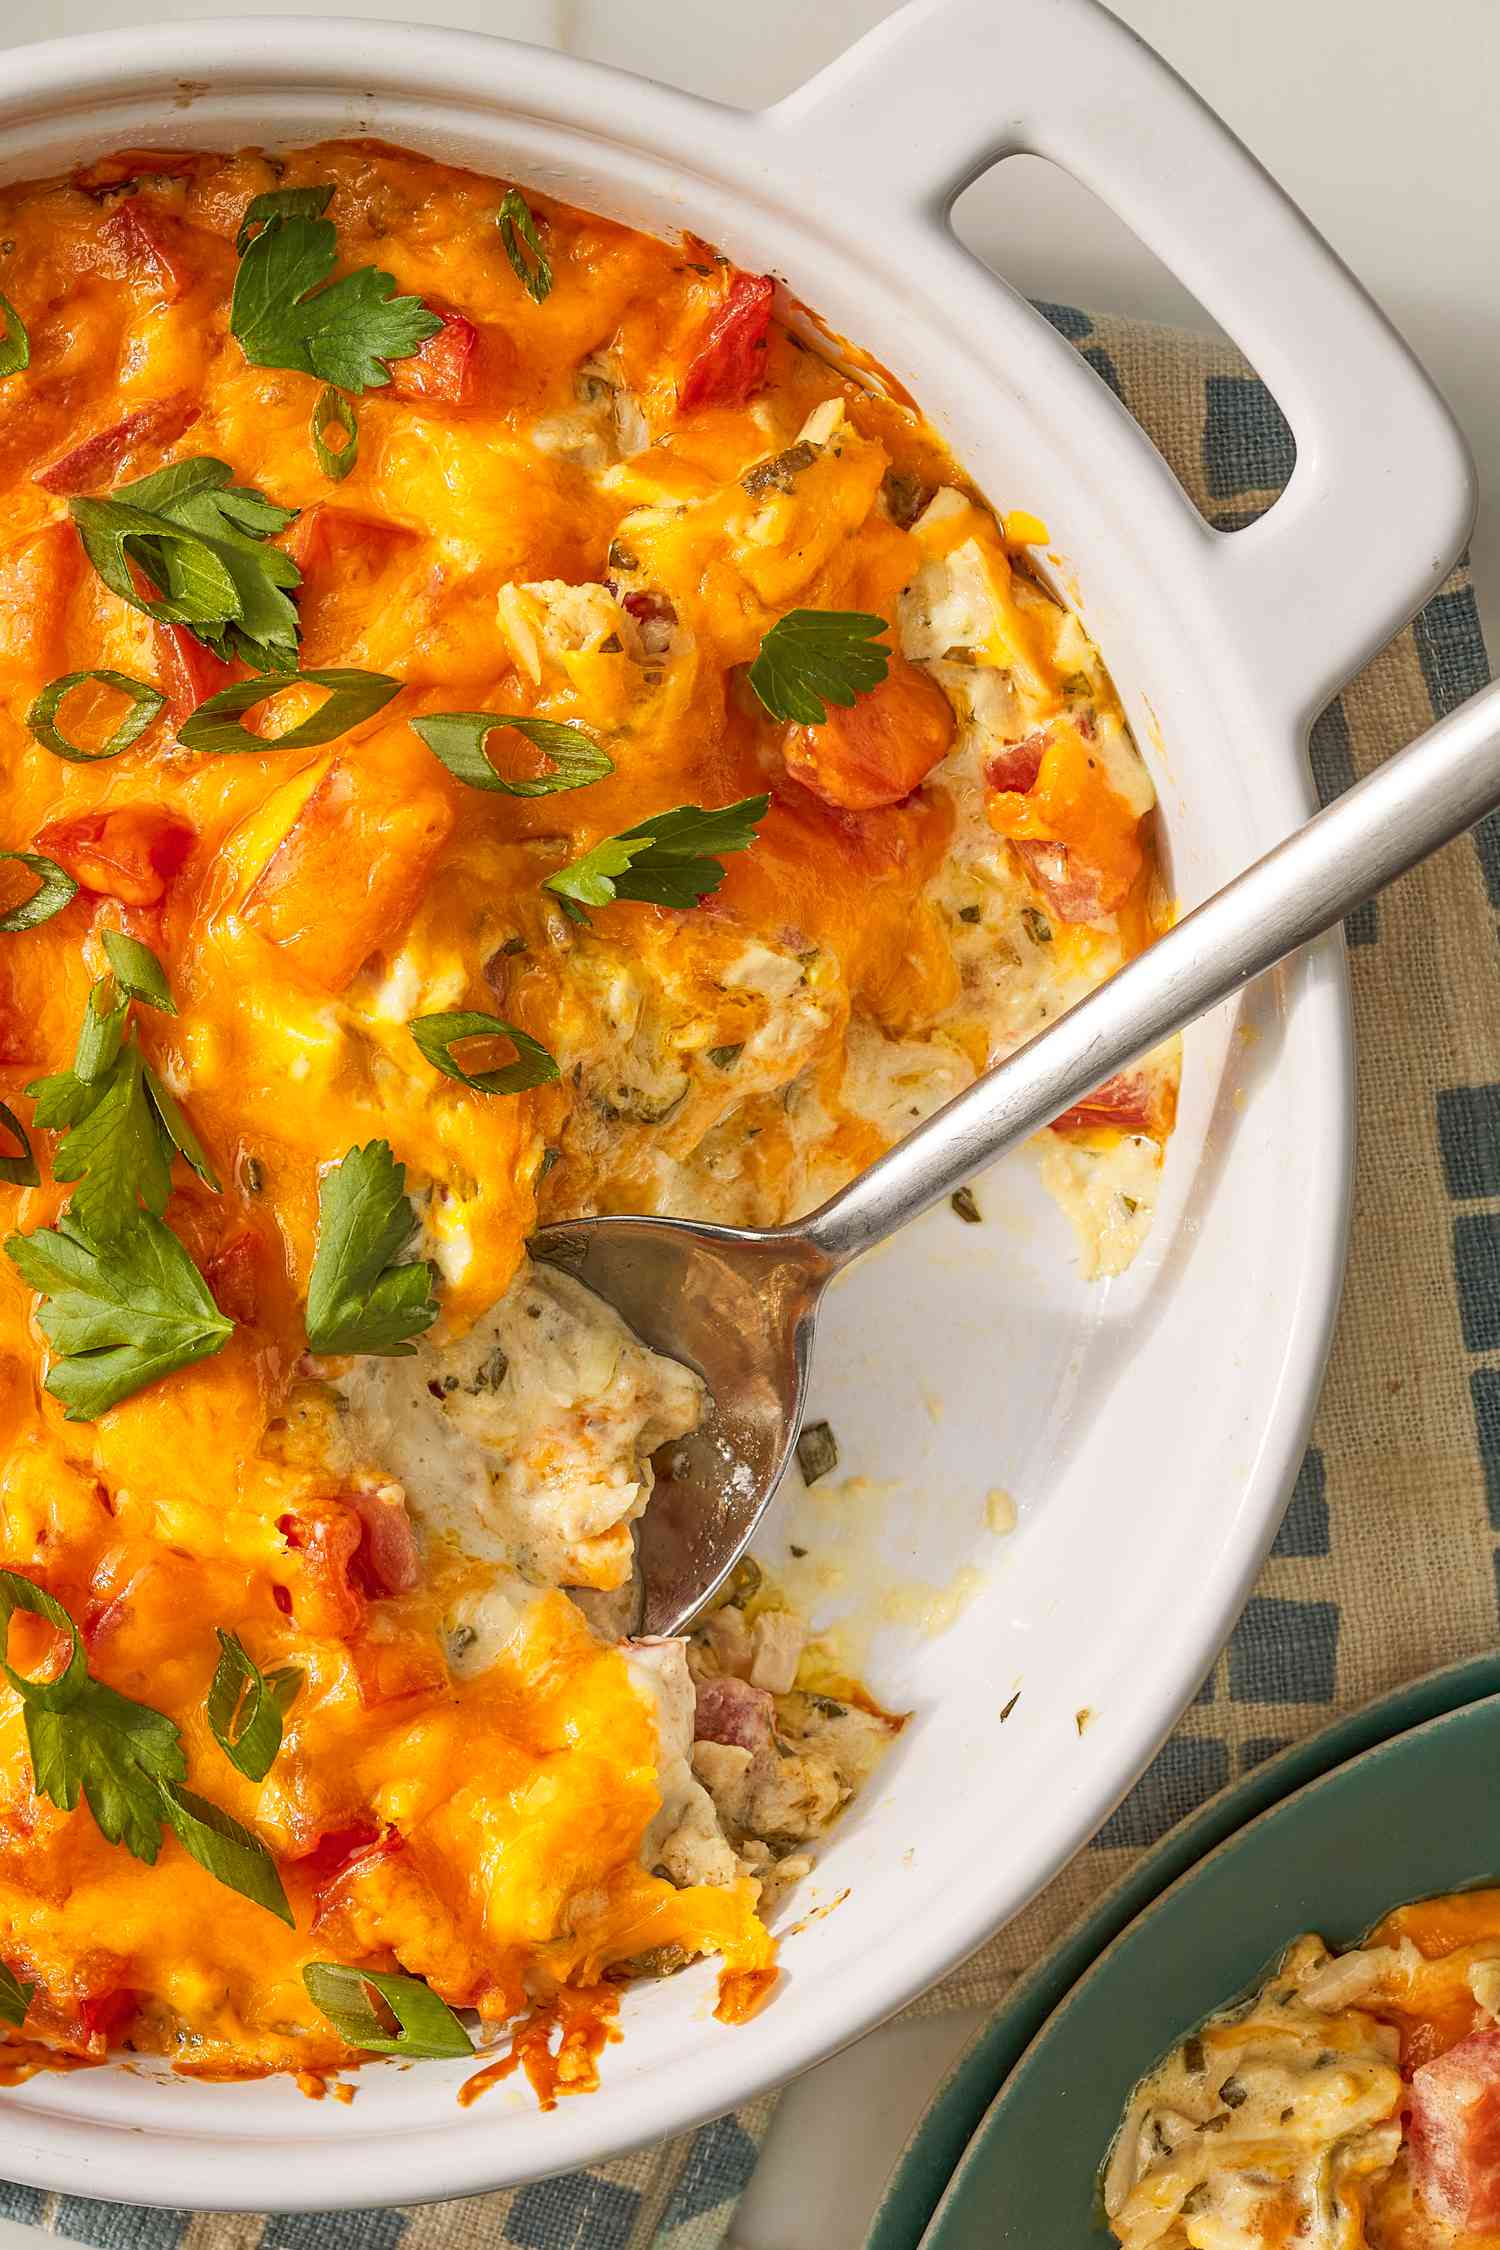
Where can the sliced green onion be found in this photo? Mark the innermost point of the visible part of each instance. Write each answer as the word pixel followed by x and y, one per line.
pixel 227 1849
pixel 246 1707
pixel 438 1035
pixel 18 1171
pixel 725 1058
pixel 334 411
pixel 352 697
pixel 964 1203
pixel 458 739
pixel 15 344
pixel 138 971
pixel 55 888
pixel 817 1452
pixel 428 2031
pixel 178 1131
pixel 147 704
pixel 518 227
pixel 16 1593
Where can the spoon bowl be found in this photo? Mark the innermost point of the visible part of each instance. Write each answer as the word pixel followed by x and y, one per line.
pixel 740 1304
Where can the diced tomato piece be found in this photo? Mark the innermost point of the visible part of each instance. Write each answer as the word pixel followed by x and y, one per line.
pixel 101 2015
pixel 235 1274
pixel 1018 764
pixel 1134 1101
pixel 98 458
pixel 330 1851
pixel 881 748
pixel 1079 841
pixel 326 1536
pixel 190 673
pixel 152 246
pixel 732 1710
pixel 443 369
pixel 728 362
pixel 337 1871
pixel 131 852
pixel 386 1560
pixel 1067 884
pixel 1453 2141
pixel 347 876
pixel 107 173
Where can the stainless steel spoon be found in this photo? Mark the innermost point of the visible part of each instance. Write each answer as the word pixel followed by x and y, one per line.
pixel 740 1304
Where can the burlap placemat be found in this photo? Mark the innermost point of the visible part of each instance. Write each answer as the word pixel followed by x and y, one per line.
pixel 1405 1458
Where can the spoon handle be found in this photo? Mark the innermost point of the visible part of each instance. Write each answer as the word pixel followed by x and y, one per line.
pixel 1420 799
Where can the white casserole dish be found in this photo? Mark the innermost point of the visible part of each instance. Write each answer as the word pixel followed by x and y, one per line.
pixel 1150 1428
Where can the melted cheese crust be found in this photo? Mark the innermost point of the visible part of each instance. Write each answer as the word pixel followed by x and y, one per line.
pixel 1286 2120
pixel 479 1826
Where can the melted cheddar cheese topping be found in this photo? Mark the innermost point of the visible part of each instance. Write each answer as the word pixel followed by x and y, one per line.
pixel 590 509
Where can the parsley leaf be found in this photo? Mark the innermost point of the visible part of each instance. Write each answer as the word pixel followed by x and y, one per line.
pixel 123 1125
pixel 117 1152
pixel 15 1997
pixel 126 1761
pixel 429 2030
pixel 669 860
pixel 814 657
pixel 200 540
pixel 121 1312
pixel 85 1737
pixel 437 1036
pixel 346 332
pixel 358 1299
pixel 282 203
pixel 246 1707
pixel 518 233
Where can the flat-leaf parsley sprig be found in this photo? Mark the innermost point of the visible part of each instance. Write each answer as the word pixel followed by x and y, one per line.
pixel 126 1761
pixel 121 1125
pixel 121 1312
pixel 124 1303
pixel 359 1299
pixel 287 312
pixel 673 859
pixel 814 657
pixel 201 541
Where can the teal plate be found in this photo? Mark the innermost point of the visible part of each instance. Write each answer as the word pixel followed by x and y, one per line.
pixel 1390 1804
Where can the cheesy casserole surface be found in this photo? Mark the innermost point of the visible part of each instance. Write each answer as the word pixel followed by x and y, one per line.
pixel 1352 2103
pixel 493 726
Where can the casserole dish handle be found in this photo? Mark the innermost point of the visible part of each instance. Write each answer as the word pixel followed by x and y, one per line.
pixel 1381 498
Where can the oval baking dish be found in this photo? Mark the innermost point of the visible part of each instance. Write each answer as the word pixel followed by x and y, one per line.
pixel 1149 1429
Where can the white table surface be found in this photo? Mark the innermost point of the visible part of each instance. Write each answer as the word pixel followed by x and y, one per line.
pixel 1388 142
